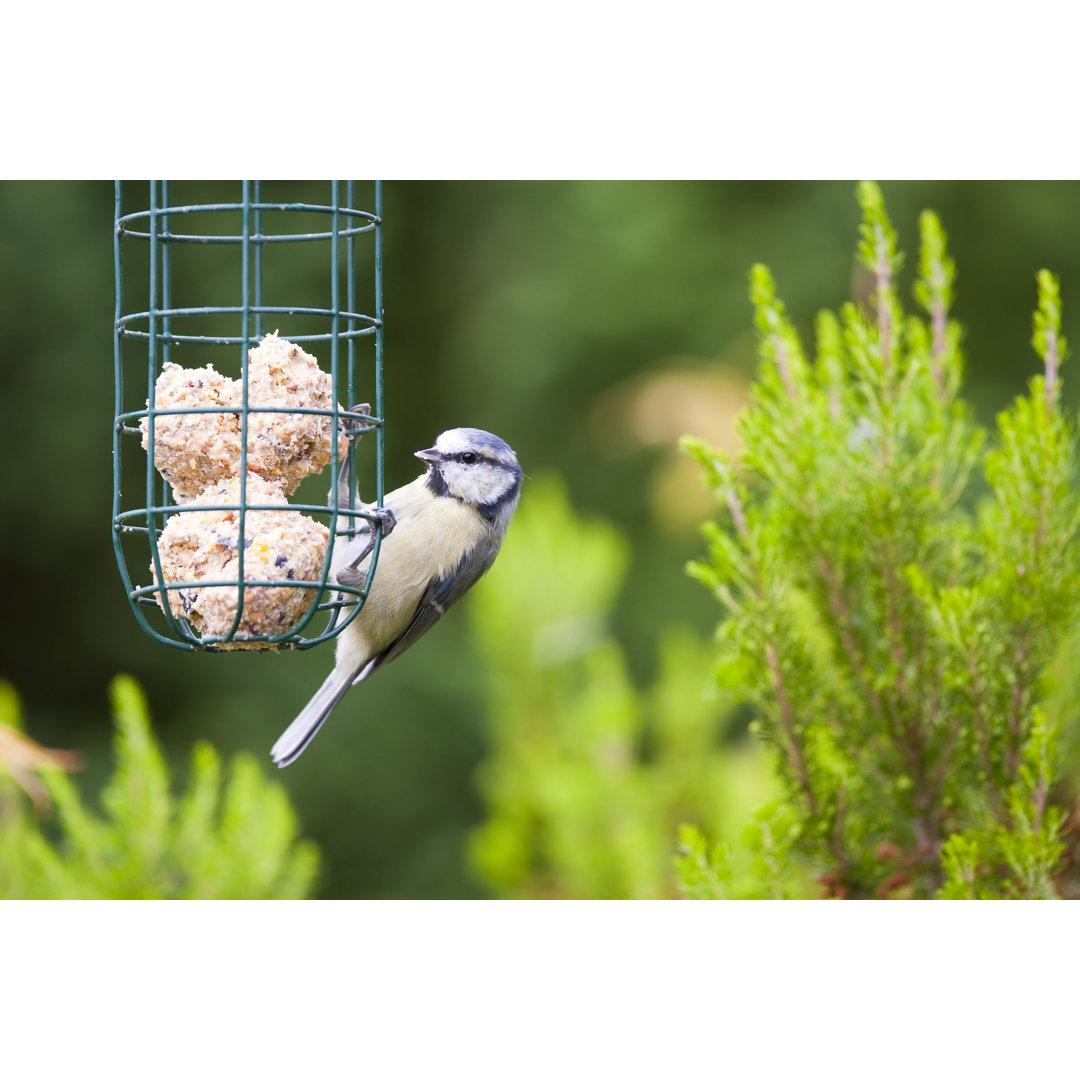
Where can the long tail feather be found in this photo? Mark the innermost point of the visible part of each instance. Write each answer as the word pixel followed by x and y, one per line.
pixel 302 730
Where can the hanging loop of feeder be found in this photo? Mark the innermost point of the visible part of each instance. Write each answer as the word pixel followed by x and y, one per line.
pixel 211 552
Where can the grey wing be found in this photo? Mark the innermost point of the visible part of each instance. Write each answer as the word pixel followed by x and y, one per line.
pixel 440 594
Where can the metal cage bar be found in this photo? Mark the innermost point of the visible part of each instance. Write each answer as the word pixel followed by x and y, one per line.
pixel 147 338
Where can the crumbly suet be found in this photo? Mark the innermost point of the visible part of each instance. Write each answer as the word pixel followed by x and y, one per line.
pixel 279 545
pixel 284 446
pixel 195 450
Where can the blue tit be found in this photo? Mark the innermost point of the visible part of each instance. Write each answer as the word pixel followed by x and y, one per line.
pixel 442 534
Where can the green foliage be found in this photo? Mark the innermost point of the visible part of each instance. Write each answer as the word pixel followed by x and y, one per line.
pixel 758 867
pixel 231 840
pixel 588 776
pixel 1023 849
pixel 890 614
pixel 702 870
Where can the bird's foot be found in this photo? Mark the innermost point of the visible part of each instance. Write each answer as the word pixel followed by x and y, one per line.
pixel 350 574
pixel 356 424
pixel 387 521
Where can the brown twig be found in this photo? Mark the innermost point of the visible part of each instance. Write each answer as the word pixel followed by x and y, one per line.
pixel 883 273
pixel 787 716
pixel 983 734
pixel 784 367
pixel 1052 363
pixel 939 327
pixel 1016 714
pixel 1040 802
pixel 892 618
pixel 843 618
pixel 736 512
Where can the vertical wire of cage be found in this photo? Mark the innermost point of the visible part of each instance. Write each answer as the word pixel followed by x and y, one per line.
pixel 159 331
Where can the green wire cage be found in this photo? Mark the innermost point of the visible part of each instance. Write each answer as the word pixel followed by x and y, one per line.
pixel 202 280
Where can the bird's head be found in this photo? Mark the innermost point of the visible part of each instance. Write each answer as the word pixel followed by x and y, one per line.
pixel 477 468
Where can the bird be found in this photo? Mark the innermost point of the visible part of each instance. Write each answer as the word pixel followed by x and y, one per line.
pixel 441 533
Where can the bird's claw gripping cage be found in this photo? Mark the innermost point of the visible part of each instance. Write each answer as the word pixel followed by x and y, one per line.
pixel 171 249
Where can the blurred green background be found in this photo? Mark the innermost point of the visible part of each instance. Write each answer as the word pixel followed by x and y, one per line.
pixel 588 323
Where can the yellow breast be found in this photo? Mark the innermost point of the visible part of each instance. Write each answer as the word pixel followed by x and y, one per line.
pixel 429 539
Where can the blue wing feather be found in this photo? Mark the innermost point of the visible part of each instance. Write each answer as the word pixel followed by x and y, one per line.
pixel 441 593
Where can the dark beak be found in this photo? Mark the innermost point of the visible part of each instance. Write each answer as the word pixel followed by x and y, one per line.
pixel 431 456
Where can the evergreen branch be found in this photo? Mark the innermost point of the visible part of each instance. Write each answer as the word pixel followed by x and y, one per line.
pixel 879 255
pixel 1052 364
pixel 883 272
pixel 148 844
pixel 1046 337
pixel 934 290
pixel 784 366
pixel 871 594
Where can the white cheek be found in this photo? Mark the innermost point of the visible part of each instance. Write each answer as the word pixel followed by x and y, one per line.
pixel 490 486
pixel 458 481
pixel 474 484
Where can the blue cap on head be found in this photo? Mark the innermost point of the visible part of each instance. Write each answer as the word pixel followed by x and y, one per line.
pixel 457 440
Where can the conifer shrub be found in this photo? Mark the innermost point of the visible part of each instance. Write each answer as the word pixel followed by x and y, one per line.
pixel 231 835
pixel 896 584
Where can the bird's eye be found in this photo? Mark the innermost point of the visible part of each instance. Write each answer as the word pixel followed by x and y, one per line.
pixel 468 458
